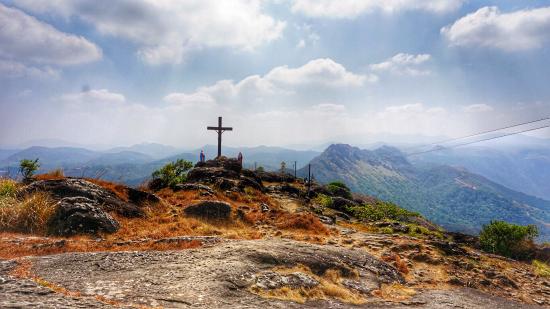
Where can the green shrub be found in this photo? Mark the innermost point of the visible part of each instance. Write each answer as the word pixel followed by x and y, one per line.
pixel 323 200
pixel 507 239
pixel 28 167
pixel 8 188
pixel 381 211
pixel 172 173
pixel 338 188
pixel 541 269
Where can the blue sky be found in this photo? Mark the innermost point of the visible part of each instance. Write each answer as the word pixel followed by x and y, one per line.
pixel 281 71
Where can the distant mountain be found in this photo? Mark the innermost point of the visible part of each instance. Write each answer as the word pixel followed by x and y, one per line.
pixel 154 150
pixel 5 153
pixel 526 170
pixel 51 157
pixel 452 197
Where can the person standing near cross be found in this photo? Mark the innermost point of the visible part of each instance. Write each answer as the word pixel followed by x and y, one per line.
pixel 220 129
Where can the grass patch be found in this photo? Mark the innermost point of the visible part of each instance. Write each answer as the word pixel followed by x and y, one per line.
pixel 381 211
pixel 52 175
pixel 8 188
pixel 26 215
pixel 329 287
pixel 118 189
pixel 541 269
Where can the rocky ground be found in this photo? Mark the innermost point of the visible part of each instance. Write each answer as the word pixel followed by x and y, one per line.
pixel 265 246
pixel 236 274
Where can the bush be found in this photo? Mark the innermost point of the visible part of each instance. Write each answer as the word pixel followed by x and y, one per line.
pixel 338 188
pixel 381 211
pixel 172 173
pixel 28 167
pixel 507 239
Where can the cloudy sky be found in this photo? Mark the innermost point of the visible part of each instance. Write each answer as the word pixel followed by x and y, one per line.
pixel 281 72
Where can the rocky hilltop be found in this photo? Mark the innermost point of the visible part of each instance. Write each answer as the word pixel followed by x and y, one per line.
pixel 232 237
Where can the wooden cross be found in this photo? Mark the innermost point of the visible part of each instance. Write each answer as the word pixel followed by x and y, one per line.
pixel 220 130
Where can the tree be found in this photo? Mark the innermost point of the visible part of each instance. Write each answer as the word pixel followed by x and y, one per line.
pixel 507 239
pixel 28 167
pixel 172 173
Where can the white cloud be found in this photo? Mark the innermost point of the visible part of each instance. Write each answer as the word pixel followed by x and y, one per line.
pixel 301 44
pixel 91 97
pixel 26 39
pixel 166 30
pixel 404 64
pixel 195 100
pixel 354 8
pixel 13 69
pixel 490 28
pixel 478 108
pixel 279 82
pixel 323 72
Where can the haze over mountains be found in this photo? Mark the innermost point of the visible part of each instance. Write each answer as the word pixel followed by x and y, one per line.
pixel 461 188
pixel 452 197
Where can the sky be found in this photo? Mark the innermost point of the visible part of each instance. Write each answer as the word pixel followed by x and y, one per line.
pixel 280 72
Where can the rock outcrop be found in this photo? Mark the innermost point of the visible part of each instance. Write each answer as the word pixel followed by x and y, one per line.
pixel 75 187
pixel 211 210
pixel 80 215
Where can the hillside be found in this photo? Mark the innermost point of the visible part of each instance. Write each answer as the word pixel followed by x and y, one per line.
pixel 228 237
pixel 452 197
pixel 526 169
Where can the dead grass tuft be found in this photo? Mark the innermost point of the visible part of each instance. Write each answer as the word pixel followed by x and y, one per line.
pixel 301 221
pixel 51 175
pixel 117 188
pixel 28 214
pixel 398 262
pixel 394 292
pixel 329 287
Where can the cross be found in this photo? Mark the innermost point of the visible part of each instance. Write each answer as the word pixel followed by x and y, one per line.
pixel 220 130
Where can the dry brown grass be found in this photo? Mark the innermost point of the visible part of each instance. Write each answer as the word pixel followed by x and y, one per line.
pixel 301 221
pixel 329 287
pixel 51 175
pixel 117 188
pixel 28 214
pixel 398 262
pixel 26 246
pixel 394 292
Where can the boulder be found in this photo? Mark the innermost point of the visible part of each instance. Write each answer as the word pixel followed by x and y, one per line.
pixel 275 176
pixel 230 164
pixel 213 210
pixel 250 182
pixel 139 197
pixel 341 204
pixel 193 187
pixel 210 174
pixel 80 215
pixel 227 184
pixel 76 187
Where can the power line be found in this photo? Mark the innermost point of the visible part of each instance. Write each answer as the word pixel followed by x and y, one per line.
pixel 477 134
pixel 482 140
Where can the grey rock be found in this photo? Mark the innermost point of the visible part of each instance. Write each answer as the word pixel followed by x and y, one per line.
pixel 271 280
pixel 213 210
pixel 76 187
pixel 80 215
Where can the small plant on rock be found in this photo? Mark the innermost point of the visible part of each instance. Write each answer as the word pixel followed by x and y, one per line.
pixel 172 173
pixel 28 167
pixel 507 239
pixel 338 188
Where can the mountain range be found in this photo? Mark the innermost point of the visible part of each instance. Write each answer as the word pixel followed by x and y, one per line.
pixel 453 197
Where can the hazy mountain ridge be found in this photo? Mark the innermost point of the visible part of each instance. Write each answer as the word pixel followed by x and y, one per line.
pixel 455 198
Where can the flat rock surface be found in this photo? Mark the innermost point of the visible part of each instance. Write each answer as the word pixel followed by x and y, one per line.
pixel 211 277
